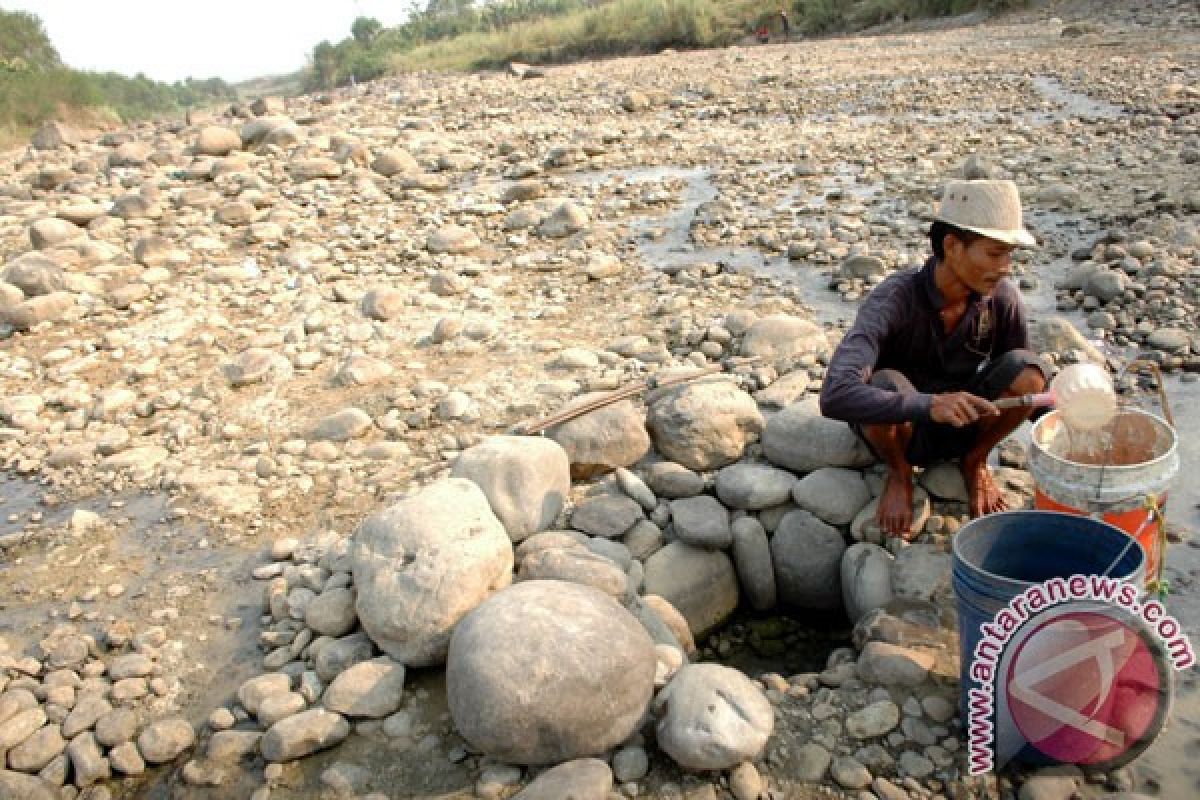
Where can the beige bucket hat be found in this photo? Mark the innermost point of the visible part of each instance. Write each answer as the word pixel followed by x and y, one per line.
pixel 989 208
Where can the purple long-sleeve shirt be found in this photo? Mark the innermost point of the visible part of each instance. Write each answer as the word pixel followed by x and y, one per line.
pixel 899 327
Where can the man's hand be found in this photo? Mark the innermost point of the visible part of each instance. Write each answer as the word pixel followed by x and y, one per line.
pixel 960 408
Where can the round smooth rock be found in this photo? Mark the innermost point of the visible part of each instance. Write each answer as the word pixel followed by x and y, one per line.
pixel 331 613
pixel 253 691
pixel 608 516
pixel 116 727
pixel 712 717
pixel 630 764
pixel 752 560
pixel 850 773
pixel 671 480
pixel 31 787
pixel 422 564
pixel 833 494
pixel 165 739
pixel 783 339
pixel 576 565
pixel 547 671
pixel 798 438
pixel 874 720
pixel 921 572
pixel 38 749
pixel 581 779
pixel 704 425
pixel 602 440
pixel 701 584
pixel 303 734
pixel 866 579
pixel 807 556
pixel 811 763
pixel 753 487
pixel 636 488
pixel 702 522
pixel 526 480
pixel 745 782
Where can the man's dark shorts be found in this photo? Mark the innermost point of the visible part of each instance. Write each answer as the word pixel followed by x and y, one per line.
pixel 933 442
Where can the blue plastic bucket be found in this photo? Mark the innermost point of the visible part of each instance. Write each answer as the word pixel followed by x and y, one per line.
pixel 999 556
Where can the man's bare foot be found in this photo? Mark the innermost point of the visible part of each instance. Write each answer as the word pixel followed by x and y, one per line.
pixel 894 514
pixel 983 495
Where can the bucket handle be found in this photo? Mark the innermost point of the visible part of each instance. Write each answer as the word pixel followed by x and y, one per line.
pixel 1143 365
pixel 1158 584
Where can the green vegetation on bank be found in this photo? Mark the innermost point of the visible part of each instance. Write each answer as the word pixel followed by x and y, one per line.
pixel 458 34
pixel 35 85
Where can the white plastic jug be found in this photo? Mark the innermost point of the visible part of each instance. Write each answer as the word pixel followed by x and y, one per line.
pixel 1084 396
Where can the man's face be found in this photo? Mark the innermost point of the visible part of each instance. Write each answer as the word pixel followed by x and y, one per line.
pixel 980 265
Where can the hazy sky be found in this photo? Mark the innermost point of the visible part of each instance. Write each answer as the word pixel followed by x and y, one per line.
pixel 172 39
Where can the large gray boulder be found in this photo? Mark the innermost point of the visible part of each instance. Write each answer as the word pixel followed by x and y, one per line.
pixel 783 340
pixel 800 439
pixel 526 480
pixel 712 717
pixel 604 439
pixel 866 579
pixel 423 563
pixel 834 494
pixel 701 584
pixel 753 487
pixel 807 555
pixel 547 671
pixel 704 425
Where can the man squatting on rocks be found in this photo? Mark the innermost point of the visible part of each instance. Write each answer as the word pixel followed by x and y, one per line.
pixel 932 347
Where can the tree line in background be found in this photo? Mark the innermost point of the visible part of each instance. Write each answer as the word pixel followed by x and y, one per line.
pixel 461 34
pixel 35 85
pixel 368 52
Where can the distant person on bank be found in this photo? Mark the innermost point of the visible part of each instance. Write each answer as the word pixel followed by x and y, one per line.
pixel 931 348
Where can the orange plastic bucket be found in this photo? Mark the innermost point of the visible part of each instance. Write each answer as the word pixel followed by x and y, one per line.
pixel 1111 474
pixel 1136 522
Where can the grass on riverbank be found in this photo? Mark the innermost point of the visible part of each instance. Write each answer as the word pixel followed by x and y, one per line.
pixel 617 27
pixel 621 27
